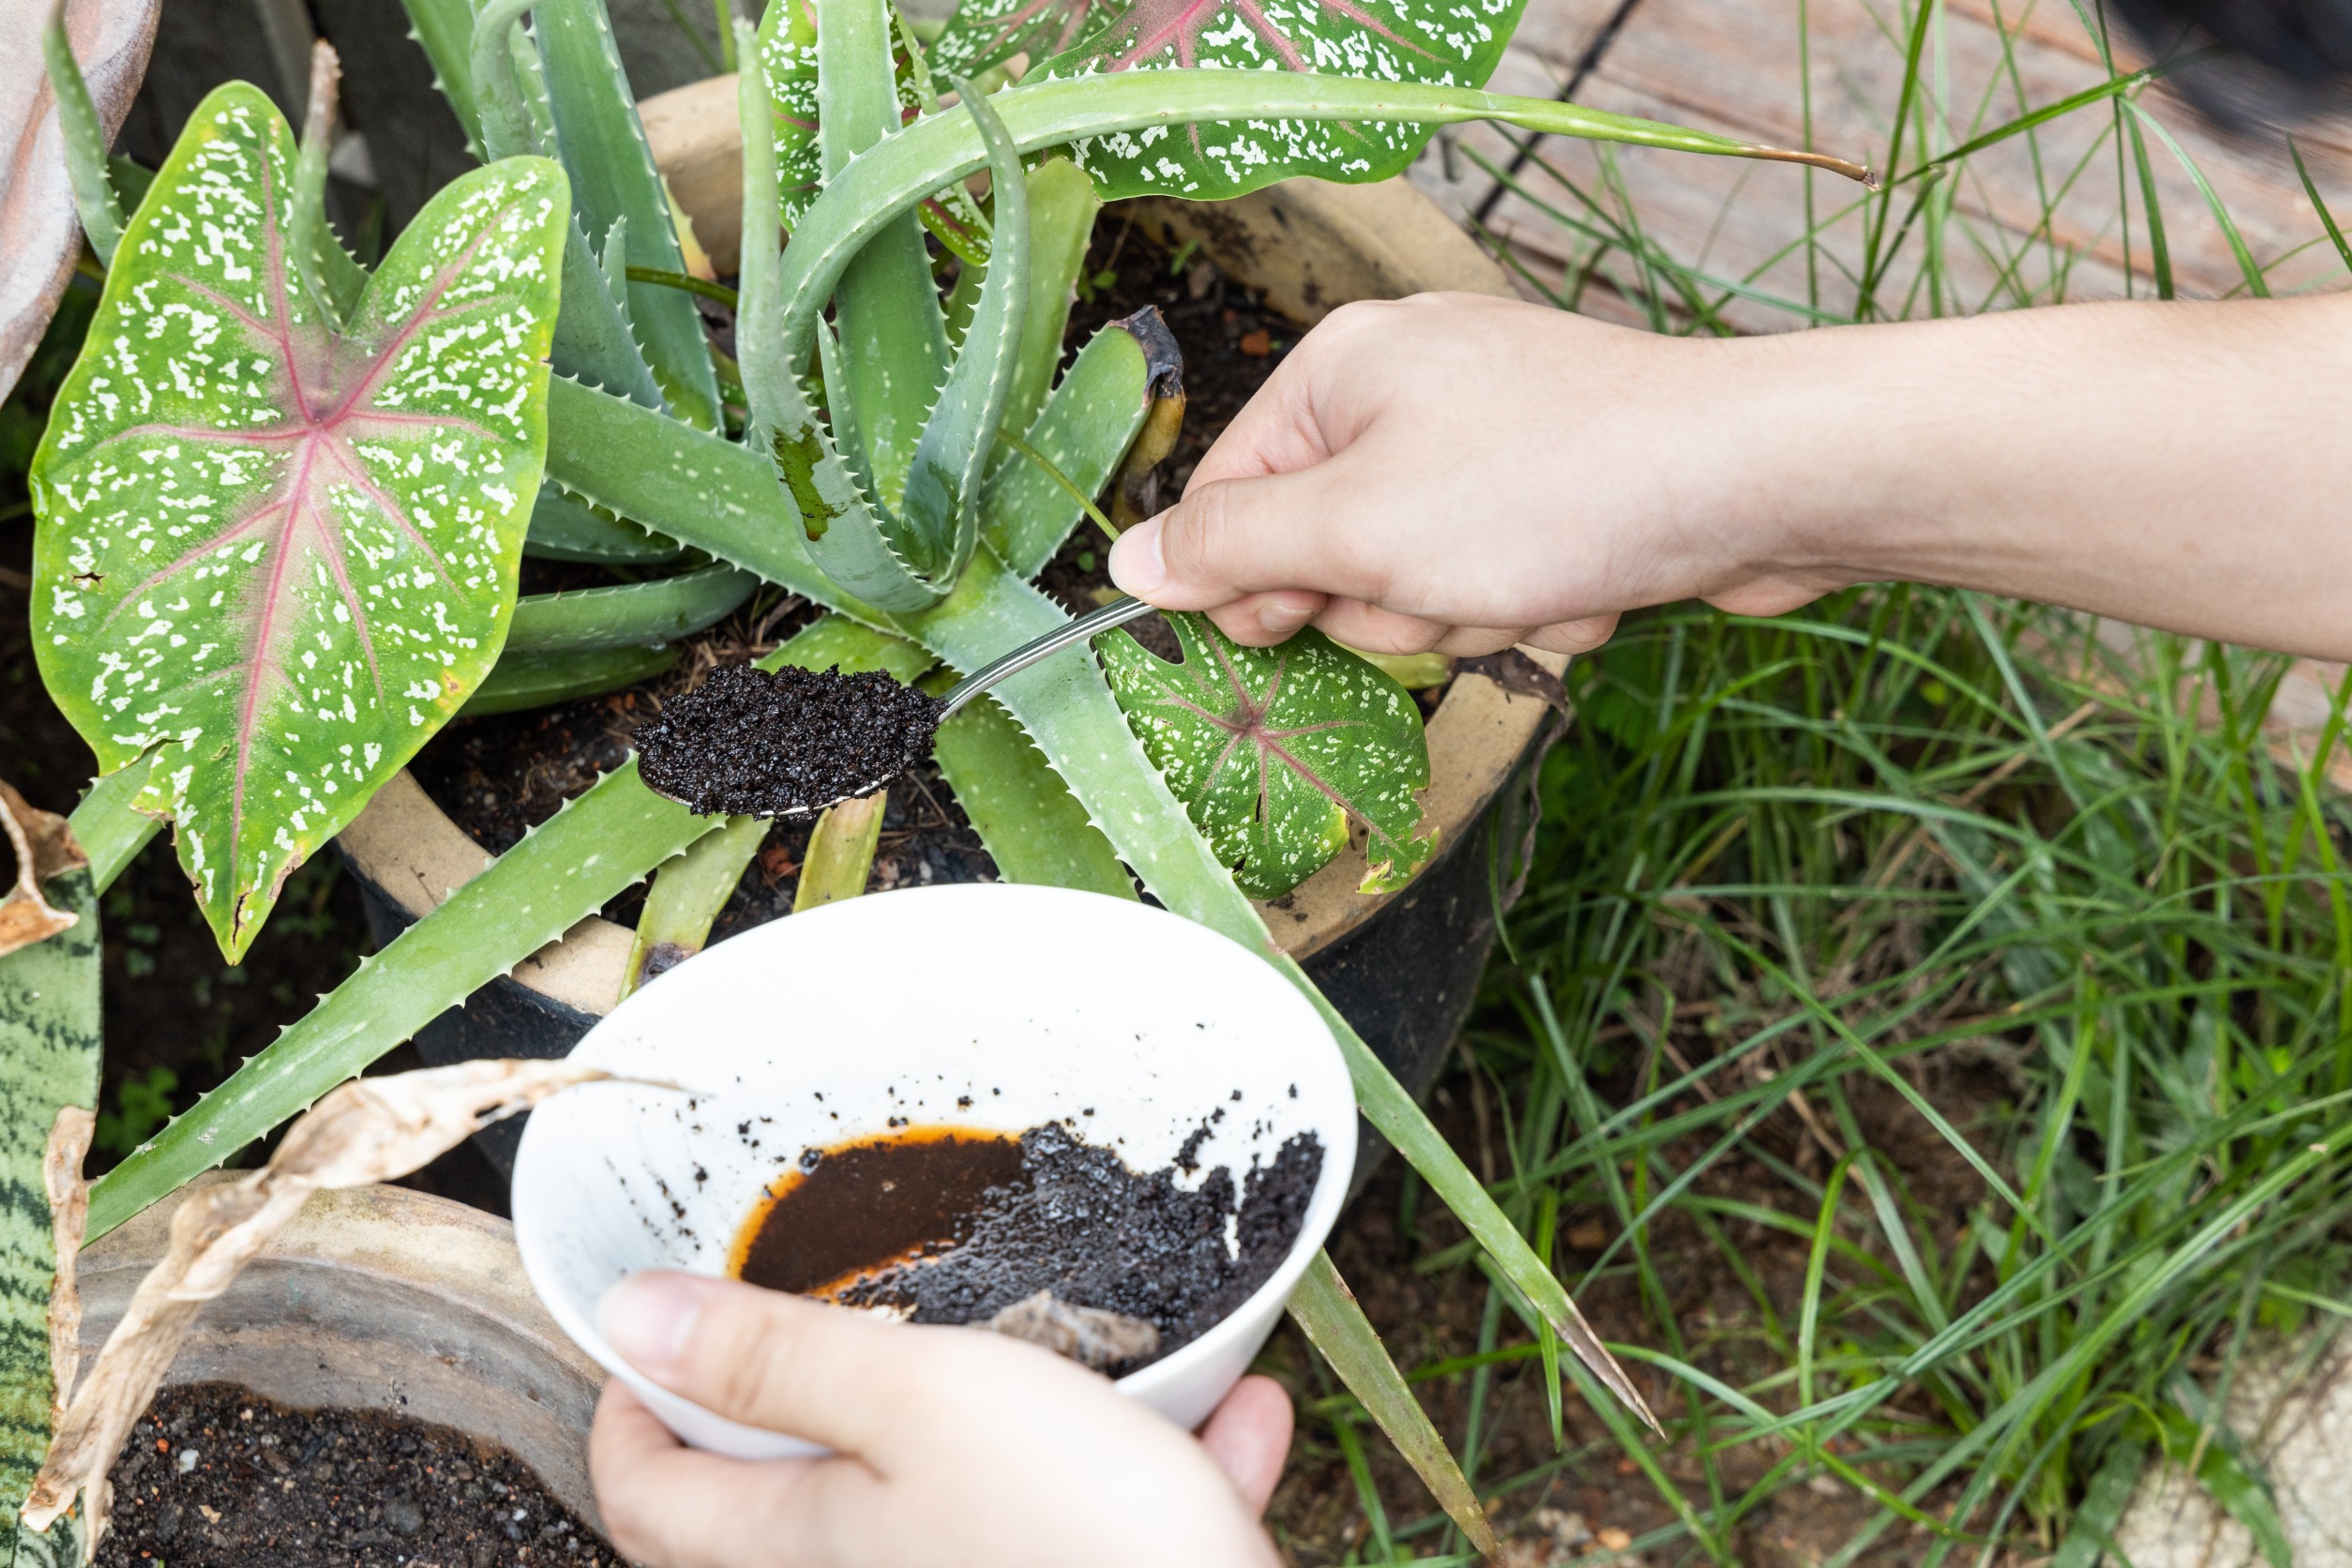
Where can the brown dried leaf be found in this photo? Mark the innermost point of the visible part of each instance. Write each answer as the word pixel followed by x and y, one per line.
pixel 68 1217
pixel 44 848
pixel 368 1130
pixel 1087 1335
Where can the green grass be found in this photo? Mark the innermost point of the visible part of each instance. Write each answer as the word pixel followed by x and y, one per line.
pixel 1916 887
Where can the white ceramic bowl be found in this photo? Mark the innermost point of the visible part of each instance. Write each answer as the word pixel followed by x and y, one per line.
pixel 1038 1003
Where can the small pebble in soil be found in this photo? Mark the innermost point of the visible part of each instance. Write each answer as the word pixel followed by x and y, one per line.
pixel 957 1226
pixel 216 1477
pixel 751 743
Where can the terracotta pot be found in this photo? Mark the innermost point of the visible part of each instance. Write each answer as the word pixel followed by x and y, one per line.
pixel 379 1298
pixel 1401 966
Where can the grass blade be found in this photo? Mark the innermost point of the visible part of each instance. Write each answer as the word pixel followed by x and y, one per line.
pixel 1326 1310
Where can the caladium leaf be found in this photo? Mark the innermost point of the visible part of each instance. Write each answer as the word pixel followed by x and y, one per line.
pixel 1275 750
pixel 1455 44
pixel 986 33
pixel 275 553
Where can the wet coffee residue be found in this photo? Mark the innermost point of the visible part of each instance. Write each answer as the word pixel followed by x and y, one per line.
pixel 952 1225
pixel 750 743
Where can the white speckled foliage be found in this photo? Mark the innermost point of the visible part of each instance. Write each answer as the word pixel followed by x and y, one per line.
pixel 1273 750
pixel 985 33
pixel 278 551
pixel 1453 43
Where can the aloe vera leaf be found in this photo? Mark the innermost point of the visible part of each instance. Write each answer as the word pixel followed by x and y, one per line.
pixel 531 680
pixel 567 866
pixel 844 537
pixel 326 267
pixel 494 64
pixel 444 29
pixel 1088 422
pixel 941 509
pixel 109 828
pixel 565 528
pixel 627 615
pixel 887 178
pixel 1033 829
pixel 603 148
pixel 686 897
pixel 290 644
pixel 1327 1311
pixel 840 412
pixel 594 343
pixel 635 462
pixel 85 138
pixel 1275 750
pixel 886 306
pixel 689 893
pixel 1062 210
pixel 841 854
pixel 1068 710
pixel 963 298
pixel 49 1060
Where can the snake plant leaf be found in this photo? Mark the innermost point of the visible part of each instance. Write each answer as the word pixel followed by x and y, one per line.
pixel 1275 750
pixel 1455 44
pixel 49 1068
pixel 274 554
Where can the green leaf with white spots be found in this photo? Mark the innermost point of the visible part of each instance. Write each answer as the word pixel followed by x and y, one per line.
pixel 1449 43
pixel 986 33
pixel 1274 751
pixel 274 553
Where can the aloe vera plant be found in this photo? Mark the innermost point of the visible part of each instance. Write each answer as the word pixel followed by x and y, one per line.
pixel 908 459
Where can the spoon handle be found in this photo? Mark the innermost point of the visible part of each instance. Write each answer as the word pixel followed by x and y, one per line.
pixel 1118 612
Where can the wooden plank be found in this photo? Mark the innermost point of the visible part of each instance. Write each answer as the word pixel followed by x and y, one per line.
pixel 2033 219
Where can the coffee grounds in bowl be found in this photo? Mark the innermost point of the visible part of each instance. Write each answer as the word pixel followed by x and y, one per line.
pixel 946 1224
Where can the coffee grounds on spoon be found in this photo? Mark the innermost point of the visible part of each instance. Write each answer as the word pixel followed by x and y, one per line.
pixel 751 743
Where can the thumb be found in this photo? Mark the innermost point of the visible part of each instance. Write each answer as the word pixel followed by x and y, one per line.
pixel 784 1363
pixel 1233 537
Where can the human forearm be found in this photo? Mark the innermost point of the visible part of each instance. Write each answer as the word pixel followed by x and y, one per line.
pixel 2176 465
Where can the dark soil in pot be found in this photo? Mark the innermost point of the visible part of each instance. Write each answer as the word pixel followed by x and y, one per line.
pixel 216 1477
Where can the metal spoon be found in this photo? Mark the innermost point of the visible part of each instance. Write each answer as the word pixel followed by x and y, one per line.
pixel 656 754
pixel 1118 612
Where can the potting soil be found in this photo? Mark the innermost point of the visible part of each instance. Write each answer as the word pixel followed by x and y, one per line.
pixel 216 1477
pixel 953 1226
pixel 751 743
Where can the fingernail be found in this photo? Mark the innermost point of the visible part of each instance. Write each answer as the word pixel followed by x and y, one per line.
pixel 1136 563
pixel 1281 616
pixel 649 1317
